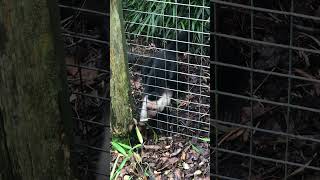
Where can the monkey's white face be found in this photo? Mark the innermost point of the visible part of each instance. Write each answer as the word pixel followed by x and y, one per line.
pixel 151 108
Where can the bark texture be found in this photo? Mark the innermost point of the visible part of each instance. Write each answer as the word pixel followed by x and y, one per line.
pixel 34 107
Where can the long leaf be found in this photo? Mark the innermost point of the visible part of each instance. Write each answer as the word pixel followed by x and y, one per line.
pixel 114 166
pixel 205 139
pixel 121 166
pixel 119 148
pixel 139 135
pixel 125 146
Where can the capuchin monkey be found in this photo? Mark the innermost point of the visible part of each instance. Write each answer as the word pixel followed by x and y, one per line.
pixel 161 79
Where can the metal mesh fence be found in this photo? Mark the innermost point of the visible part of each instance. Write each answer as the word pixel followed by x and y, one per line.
pixel 265 62
pixel 151 28
pixel 85 30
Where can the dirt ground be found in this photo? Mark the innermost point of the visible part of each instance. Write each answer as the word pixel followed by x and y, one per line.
pixel 171 157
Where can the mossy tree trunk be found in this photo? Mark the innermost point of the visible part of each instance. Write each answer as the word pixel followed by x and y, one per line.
pixel 120 91
pixel 34 107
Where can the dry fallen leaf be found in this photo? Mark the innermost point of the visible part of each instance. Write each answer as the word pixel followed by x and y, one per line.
pixel 197 172
pixel 173 160
pixel 137 157
pixel 126 177
pixel 185 166
pixel 176 152
pixel 177 174
pixel 183 156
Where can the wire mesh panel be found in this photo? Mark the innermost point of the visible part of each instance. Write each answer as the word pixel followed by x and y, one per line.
pixel 85 30
pixel 265 62
pixel 169 53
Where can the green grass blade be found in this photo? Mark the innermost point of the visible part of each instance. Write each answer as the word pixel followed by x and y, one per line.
pixel 125 146
pixel 205 139
pixel 114 166
pixel 119 148
pixel 139 135
pixel 120 167
pixel 136 146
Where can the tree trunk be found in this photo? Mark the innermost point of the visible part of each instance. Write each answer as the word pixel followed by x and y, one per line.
pixel 120 91
pixel 34 107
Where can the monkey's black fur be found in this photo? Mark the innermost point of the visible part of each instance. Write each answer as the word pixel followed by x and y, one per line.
pixel 160 74
pixel 161 79
pixel 160 71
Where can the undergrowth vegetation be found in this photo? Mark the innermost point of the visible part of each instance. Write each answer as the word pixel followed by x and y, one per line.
pixel 126 155
pixel 162 19
pixel 125 151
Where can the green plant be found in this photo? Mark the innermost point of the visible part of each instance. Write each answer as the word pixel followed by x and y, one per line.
pixel 125 151
pixel 161 18
pixel 205 139
pixel 197 148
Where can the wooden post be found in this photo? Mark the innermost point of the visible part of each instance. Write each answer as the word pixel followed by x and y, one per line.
pixel 34 107
pixel 120 91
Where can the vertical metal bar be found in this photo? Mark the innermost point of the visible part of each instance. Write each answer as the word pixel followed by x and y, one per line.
pixel 189 28
pixel 201 59
pixel 289 89
pixel 177 64
pixel 251 86
pixel 216 85
pixel 165 54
